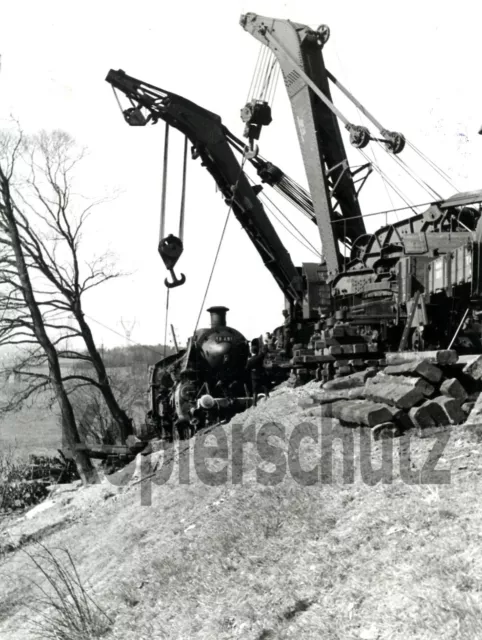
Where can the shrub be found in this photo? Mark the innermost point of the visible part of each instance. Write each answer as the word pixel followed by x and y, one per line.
pixel 24 483
pixel 65 609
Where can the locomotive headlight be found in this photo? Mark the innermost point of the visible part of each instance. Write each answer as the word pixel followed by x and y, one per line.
pixel 206 402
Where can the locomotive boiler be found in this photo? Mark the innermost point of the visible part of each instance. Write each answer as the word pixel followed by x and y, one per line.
pixel 212 367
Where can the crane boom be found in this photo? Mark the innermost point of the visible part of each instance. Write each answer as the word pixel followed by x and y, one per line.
pixel 299 52
pixel 210 142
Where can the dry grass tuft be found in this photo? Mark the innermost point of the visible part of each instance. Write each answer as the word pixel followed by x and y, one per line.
pixel 64 608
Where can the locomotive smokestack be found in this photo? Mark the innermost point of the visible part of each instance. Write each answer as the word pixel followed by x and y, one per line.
pixel 218 317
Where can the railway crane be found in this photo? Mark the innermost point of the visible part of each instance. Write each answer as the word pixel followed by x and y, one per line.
pixel 216 147
pixel 433 256
pixel 409 284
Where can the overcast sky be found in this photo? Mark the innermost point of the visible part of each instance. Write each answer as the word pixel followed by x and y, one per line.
pixel 415 65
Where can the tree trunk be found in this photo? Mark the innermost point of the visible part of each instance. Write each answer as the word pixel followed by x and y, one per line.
pixel 87 471
pixel 119 415
pixel 85 468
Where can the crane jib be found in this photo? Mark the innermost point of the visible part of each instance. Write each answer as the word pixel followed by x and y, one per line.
pixel 209 138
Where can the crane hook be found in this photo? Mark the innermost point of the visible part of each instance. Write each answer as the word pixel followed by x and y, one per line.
pixel 170 250
pixel 251 151
pixel 176 282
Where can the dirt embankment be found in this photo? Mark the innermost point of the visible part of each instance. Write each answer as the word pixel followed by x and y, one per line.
pixel 272 552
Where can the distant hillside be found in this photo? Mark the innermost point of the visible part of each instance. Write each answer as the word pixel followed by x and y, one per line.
pixel 137 354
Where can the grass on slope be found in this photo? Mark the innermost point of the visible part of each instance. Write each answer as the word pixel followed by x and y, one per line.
pixel 33 429
pixel 247 561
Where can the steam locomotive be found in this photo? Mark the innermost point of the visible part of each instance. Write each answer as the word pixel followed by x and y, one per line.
pixel 212 368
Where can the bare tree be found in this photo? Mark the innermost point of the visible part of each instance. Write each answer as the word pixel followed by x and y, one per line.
pixel 51 218
pixel 22 319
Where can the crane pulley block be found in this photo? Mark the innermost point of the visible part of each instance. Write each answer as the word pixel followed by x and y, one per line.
pixel 170 250
pixel 135 117
pixel 269 173
pixel 255 114
pixel 359 135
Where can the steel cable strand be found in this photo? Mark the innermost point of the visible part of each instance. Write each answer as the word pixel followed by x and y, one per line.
pixel 403 165
pixel 434 166
pixel 166 321
pixel 389 182
pixel 235 188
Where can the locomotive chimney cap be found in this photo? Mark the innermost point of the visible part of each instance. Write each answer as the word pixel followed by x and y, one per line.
pixel 218 316
pixel 217 309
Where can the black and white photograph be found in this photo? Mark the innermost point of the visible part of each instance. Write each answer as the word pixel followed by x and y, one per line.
pixel 240 320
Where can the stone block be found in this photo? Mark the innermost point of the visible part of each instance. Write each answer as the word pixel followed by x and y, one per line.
pixel 323 397
pixel 452 408
pixel 441 357
pixel 360 347
pixel 364 413
pixel 347 348
pixel 407 381
pixel 421 417
pixel 437 412
pixel 467 407
pixel 474 368
pixel 454 389
pixel 350 381
pixel 401 396
pixel 357 362
pixel 423 369
pixel 344 370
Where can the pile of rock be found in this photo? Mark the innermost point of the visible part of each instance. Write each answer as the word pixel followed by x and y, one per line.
pixel 414 390
pixel 335 351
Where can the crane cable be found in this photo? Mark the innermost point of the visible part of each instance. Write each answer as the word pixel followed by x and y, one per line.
pixel 303 240
pixel 267 87
pixel 403 165
pixel 166 321
pixel 274 85
pixel 434 166
pixel 420 181
pixel 390 183
pixel 164 182
pixel 253 76
pixel 183 192
pixel 259 72
pixel 306 245
pixel 371 149
pixel 265 76
pixel 163 210
pixel 234 189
